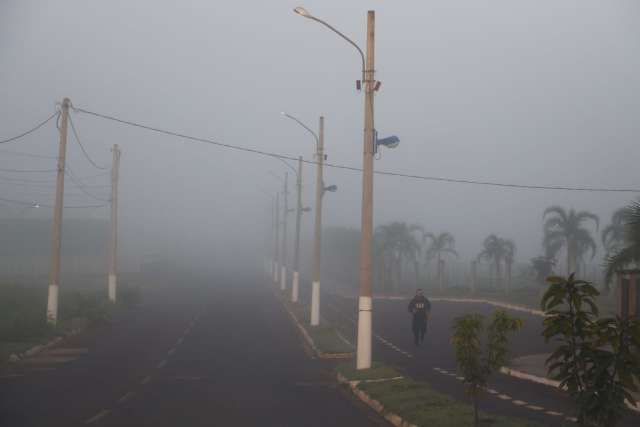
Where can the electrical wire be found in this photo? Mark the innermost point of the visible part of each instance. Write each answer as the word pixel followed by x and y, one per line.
pixel 33 129
pixel 23 203
pixel 86 155
pixel 28 170
pixel 18 153
pixel 351 168
pixel 81 186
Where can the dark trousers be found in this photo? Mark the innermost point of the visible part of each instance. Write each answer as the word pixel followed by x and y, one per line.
pixel 419 326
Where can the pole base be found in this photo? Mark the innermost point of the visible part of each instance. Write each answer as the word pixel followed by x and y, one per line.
pixel 315 303
pixel 365 330
pixel 112 287
pixel 295 287
pixel 52 304
pixel 283 278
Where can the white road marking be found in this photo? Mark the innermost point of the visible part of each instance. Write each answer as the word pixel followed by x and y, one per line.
pixel 96 417
pixel 162 363
pixel 519 402
pixel 170 352
pixel 572 419
pixel 504 397
pixel 145 380
pixel 126 397
pixel 179 341
pixel 535 408
pixel 554 414
pixel 460 378
pixel 492 391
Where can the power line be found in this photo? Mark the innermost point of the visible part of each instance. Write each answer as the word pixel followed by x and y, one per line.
pixel 86 155
pixel 18 153
pixel 28 170
pixel 33 129
pixel 351 168
pixel 81 186
pixel 23 203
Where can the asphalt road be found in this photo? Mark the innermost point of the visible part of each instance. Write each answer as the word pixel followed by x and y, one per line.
pixel 435 362
pixel 217 355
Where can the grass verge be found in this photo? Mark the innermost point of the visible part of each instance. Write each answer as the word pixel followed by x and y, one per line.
pixel 326 337
pixel 419 404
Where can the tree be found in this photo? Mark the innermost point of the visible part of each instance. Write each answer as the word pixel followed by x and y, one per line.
pixel 565 229
pixel 475 361
pixel 597 359
pixel 629 252
pixel 543 267
pixel 397 245
pixel 497 250
pixel 613 234
pixel 441 245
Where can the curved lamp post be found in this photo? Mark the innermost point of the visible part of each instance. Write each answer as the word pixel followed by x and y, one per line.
pixel 363 359
pixel 320 190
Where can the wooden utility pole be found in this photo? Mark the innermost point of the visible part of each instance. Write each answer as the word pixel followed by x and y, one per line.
pixel 276 249
pixel 56 237
pixel 296 255
pixel 285 211
pixel 363 359
pixel 113 247
pixel 317 243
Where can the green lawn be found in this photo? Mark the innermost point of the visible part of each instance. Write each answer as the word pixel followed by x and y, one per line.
pixel 377 371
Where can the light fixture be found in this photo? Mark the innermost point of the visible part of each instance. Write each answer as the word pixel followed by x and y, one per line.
pixel 331 188
pixel 302 12
pixel 389 142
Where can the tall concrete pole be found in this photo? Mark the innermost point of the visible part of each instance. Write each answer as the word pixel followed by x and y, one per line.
pixel 285 209
pixel 56 237
pixel 296 254
pixel 317 243
pixel 276 271
pixel 363 359
pixel 113 246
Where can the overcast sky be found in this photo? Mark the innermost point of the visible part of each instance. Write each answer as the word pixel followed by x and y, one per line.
pixel 542 92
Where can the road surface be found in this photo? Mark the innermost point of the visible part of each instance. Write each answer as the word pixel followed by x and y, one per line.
pixel 217 355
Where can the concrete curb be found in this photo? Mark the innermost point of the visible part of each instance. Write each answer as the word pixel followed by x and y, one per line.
pixel 548 382
pixel 393 418
pixel 14 358
pixel 320 354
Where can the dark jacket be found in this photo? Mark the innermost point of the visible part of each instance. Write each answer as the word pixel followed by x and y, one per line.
pixel 419 306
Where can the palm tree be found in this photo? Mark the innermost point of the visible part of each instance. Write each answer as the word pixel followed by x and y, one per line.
pixel 441 245
pixel 564 228
pixel 497 250
pixel 629 253
pixel 508 260
pixel 396 245
pixel 613 234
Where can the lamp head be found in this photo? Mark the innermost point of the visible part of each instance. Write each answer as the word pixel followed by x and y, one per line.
pixel 302 12
pixel 389 142
pixel 331 188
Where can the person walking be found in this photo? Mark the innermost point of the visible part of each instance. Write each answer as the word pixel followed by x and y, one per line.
pixel 419 307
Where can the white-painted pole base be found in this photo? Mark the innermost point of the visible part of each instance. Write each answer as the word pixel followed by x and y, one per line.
pixel 363 357
pixel 283 278
pixel 294 287
pixel 112 287
pixel 315 303
pixel 52 304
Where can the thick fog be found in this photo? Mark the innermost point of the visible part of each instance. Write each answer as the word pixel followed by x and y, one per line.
pixel 538 92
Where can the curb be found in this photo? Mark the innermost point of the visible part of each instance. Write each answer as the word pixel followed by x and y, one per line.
pixel 393 418
pixel 513 307
pixel 548 382
pixel 14 358
pixel 320 354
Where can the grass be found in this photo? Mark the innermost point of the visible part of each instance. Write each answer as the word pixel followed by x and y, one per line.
pixel 419 404
pixel 325 336
pixel 377 371
pixel 23 321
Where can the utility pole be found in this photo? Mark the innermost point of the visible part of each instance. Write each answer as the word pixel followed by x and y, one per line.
pixel 283 273
pixel 56 237
pixel 363 359
pixel 296 255
pixel 317 246
pixel 113 247
pixel 276 250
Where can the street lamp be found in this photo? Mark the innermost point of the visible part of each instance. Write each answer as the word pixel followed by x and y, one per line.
pixel 320 189
pixel 363 359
